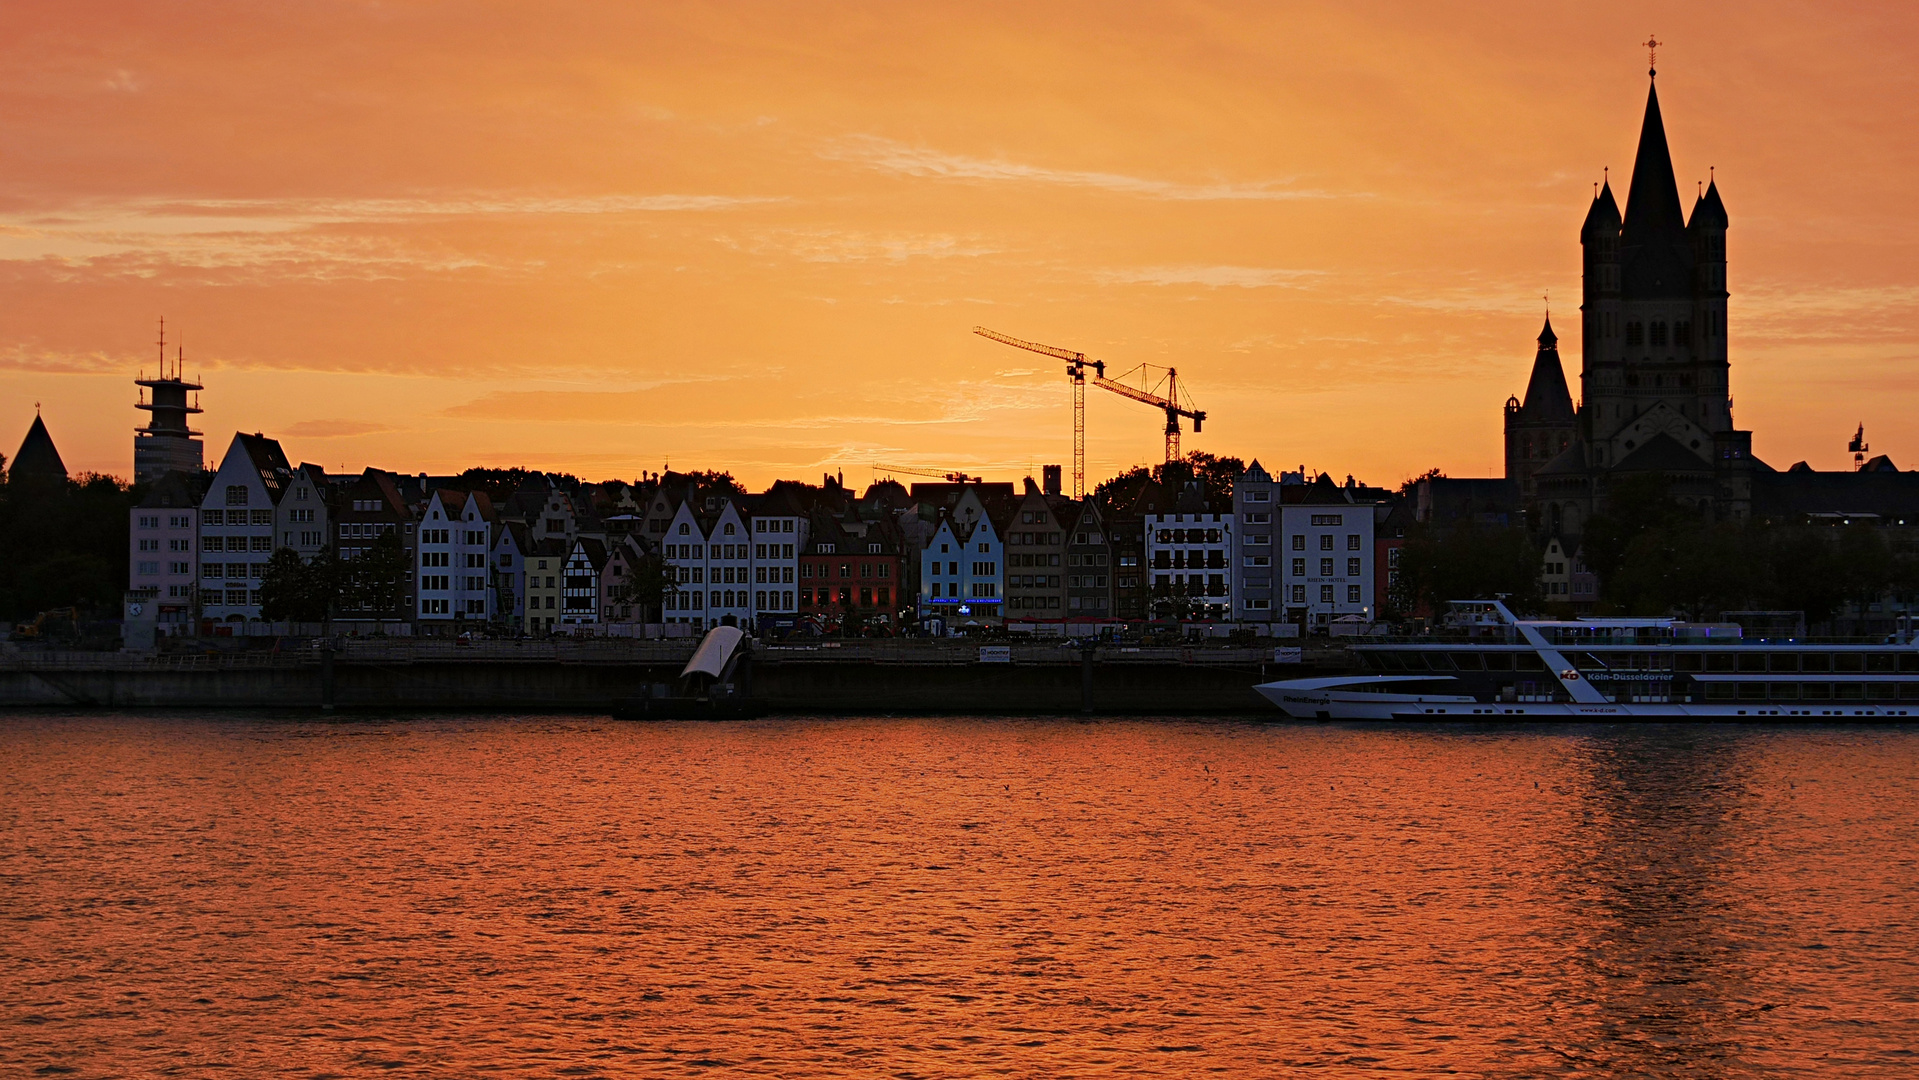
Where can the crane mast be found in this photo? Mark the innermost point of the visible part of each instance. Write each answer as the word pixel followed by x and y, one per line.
pixel 1076 365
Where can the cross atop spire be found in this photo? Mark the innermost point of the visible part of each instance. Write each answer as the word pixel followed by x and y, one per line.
pixel 1652 55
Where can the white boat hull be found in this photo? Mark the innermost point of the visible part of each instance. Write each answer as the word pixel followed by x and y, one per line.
pixel 1311 699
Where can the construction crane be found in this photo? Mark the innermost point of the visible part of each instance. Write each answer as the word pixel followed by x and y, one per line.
pixel 1076 365
pixel 954 477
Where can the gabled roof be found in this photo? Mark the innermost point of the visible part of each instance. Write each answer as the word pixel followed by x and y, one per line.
pixel 594 550
pixel 1256 474
pixel 1568 462
pixel 456 502
pixel 516 534
pixel 1323 492
pixel 37 456
pixel 1662 453
pixel 267 457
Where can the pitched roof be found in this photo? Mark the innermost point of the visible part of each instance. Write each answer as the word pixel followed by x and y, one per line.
pixel 1568 462
pixel 1323 492
pixel 37 456
pixel 271 461
pixel 1662 453
pixel 594 551
pixel 1547 397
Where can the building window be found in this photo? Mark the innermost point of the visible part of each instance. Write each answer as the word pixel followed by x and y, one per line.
pixel 1635 333
pixel 1299 594
pixel 1658 333
pixel 1325 594
pixel 1325 568
pixel 1352 567
pixel 1326 542
pixel 213 517
pixel 1352 594
pixel 1299 567
pixel 1299 542
pixel 236 495
pixel 1352 541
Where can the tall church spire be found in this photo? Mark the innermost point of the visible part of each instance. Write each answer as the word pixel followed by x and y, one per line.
pixel 1653 213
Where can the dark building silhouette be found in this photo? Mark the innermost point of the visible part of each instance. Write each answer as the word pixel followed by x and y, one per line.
pixel 37 460
pixel 1653 370
pixel 167 443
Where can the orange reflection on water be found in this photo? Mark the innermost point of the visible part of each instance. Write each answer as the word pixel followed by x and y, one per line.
pixel 953 897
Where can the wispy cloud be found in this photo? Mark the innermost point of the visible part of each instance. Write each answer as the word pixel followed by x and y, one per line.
pixel 1241 277
pixel 920 161
pixel 853 246
pixel 31 358
pixel 335 429
pixel 297 235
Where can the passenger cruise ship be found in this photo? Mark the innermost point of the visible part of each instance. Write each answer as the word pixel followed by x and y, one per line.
pixel 1608 669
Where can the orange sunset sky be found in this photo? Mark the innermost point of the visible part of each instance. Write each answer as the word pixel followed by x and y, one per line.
pixel 597 237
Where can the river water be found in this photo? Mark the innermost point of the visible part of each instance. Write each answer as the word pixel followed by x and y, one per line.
pixel 944 897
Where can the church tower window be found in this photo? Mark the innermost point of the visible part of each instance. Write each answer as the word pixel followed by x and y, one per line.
pixel 1682 333
pixel 1635 333
pixel 1658 333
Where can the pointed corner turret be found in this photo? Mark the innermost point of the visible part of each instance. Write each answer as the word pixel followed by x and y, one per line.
pixel 1708 212
pixel 1603 217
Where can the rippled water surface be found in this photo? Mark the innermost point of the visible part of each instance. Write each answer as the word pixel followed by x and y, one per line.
pixel 568 897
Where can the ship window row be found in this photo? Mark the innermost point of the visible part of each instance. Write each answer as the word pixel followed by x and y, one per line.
pixel 1788 661
pixel 1788 691
pixel 1457 661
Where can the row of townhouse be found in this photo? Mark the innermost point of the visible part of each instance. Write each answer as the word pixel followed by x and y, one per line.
pixel 554 558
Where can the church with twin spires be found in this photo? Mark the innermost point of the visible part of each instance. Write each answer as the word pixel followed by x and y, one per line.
pixel 1654 396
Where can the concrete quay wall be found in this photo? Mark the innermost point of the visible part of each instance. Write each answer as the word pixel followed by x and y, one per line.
pixel 851 686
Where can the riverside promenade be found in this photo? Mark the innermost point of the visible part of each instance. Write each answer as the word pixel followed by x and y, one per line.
pixel 614 675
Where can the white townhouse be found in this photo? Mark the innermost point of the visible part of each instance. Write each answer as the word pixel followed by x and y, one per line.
pixel 1256 509
pixel 1189 556
pixel 245 514
pixel 779 535
pixel 963 567
pixel 1328 556
pixel 452 568
pixel 683 549
pixel 729 568
pixel 164 549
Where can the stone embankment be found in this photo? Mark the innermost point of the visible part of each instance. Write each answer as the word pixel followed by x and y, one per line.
pixel 624 675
